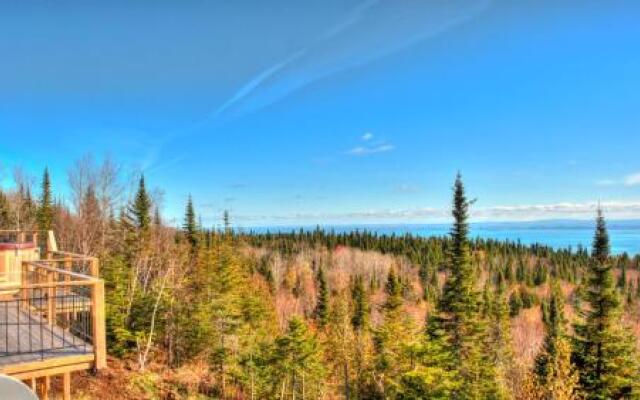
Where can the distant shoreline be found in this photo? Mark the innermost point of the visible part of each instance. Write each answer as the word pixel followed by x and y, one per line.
pixel 558 234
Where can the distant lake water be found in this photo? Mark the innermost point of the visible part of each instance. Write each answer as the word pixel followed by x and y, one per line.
pixel 624 235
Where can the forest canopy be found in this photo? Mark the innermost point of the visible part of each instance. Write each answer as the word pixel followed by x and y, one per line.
pixel 316 314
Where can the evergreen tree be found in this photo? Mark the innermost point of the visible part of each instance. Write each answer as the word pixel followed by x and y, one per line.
pixel 5 212
pixel 604 351
pixel 340 341
pixel 499 346
pixel 555 374
pixel 322 305
pixel 296 363
pixel 457 321
pixel 515 303
pixel 45 204
pixel 360 315
pixel 393 289
pixel 226 221
pixel 140 209
pixel 189 227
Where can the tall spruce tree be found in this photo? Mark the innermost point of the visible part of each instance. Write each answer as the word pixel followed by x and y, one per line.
pixel 498 358
pixel 393 289
pixel 190 227
pixel 360 315
pixel 322 306
pixel 140 209
pixel 604 351
pixel 298 370
pixel 394 339
pixel 457 321
pixel 555 374
pixel 5 212
pixel 555 330
pixel 45 204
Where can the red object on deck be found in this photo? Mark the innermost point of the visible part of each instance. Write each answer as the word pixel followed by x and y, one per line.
pixel 16 246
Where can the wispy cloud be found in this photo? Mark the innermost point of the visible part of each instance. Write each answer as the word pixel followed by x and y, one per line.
pixel 252 84
pixel 372 30
pixel 628 180
pixel 528 212
pixel 632 180
pixel 364 150
pixel 368 147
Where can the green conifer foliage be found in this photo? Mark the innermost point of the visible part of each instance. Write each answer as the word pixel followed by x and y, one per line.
pixel 45 204
pixel 322 305
pixel 190 227
pixel 140 209
pixel 393 289
pixel 556 376
pixel 5 212
pixel 499 347
pixel 457 321
pixel 360 316
pixel 604 351
pixel 296 363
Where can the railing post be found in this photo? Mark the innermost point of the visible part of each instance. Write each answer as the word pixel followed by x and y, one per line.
pixel 24 282
pixel 51 299
pixel 98 321
pixel 66 291
pixel 52 245
pixel 94 267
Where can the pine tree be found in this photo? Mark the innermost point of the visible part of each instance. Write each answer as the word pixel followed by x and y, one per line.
pixel 359 319
pixel 226 221
pixel 140 209
pixel 515 303
pixel 393 289
pixel 499 346
pixel 555 375
pixel 457 320
pixel 322 305
pixel 554 326
pixel 604 351
pixel 189 226
pixel 296 363
pixel 5 212
pixel 45 204
pixel 340 341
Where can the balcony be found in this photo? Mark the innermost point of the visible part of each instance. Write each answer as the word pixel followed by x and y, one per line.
pixel 51 311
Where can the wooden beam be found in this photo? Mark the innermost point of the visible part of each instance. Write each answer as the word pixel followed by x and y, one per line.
pixel 66 386
pixel 51 299
pixel 52 245
pixel 94 267
pixel 54 371
pixel 49 363
pixel 44 387
pixel 98 319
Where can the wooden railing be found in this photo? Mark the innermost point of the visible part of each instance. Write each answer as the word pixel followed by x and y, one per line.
pixel 73 287
pixel 63 294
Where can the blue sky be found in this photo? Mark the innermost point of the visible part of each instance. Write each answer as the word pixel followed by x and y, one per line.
pixel 345 111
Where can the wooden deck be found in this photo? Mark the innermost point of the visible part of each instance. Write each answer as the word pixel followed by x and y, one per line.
pixel 27 337
pixel 52 316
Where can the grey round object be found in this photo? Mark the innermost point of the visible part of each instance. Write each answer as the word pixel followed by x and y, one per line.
pixel 13 389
